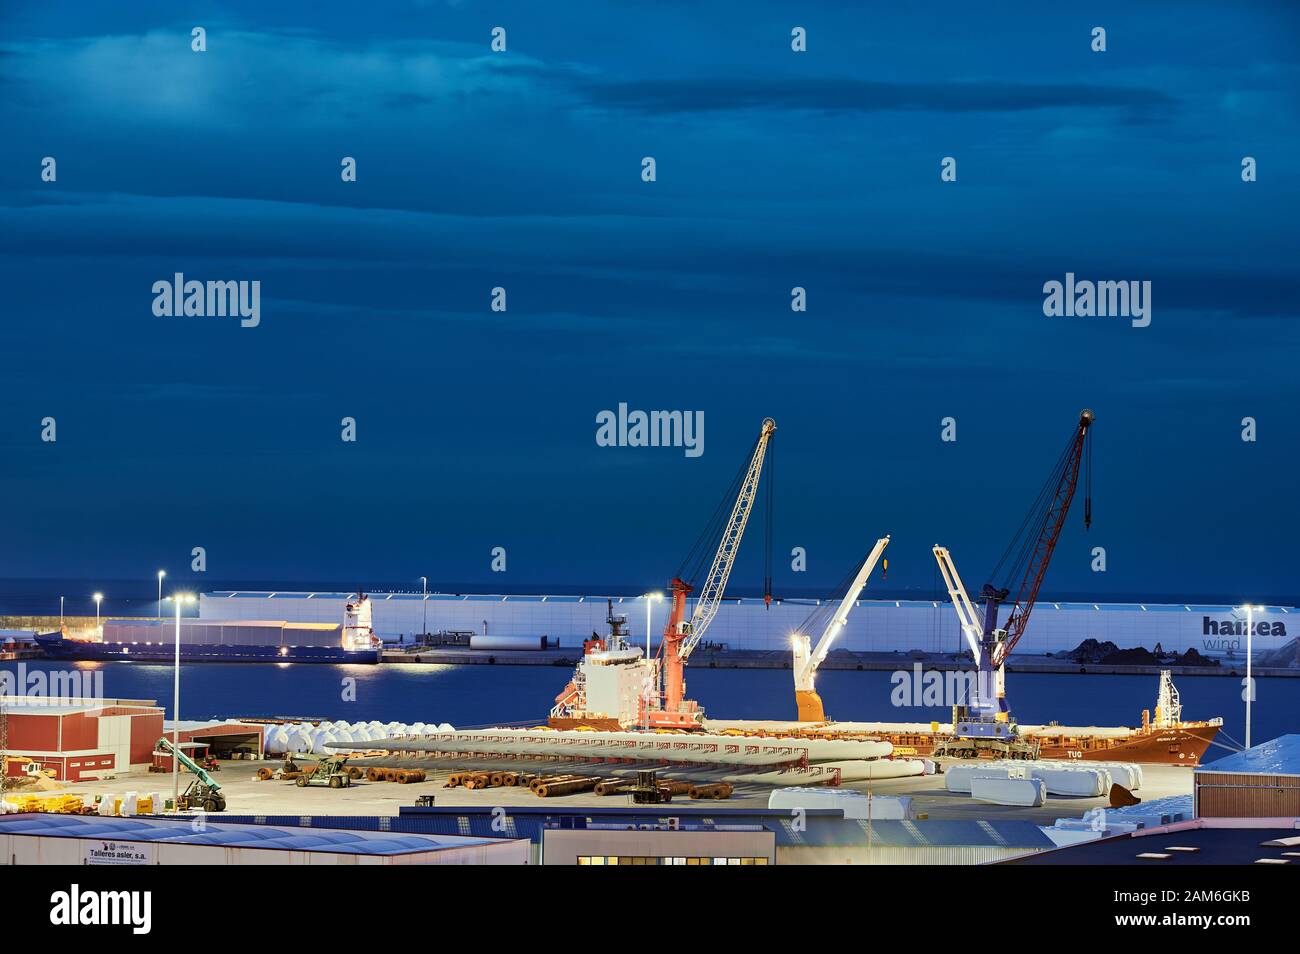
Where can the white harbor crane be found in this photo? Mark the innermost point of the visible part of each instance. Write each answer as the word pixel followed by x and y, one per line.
pixel 988 702
pixel 807 659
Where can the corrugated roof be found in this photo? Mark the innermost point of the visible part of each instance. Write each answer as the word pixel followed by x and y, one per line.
pixel 1280 756
pixel 180 831
pixel 819 828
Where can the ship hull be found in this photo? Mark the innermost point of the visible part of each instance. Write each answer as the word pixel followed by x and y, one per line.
pixel 56 647
pixel 1184 744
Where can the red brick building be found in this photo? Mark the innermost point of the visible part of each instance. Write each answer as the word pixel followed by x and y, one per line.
pixel 83 739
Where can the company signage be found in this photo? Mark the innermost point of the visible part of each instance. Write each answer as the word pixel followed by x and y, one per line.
pixel 120 853
pixel 1227 634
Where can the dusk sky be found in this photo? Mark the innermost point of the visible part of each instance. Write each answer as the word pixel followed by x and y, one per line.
pixel 523 169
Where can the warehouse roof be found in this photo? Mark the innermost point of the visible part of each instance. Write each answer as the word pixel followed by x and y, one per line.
pixel 1162 847
pixel 818 827
pixel 181 832
pixel 1280 756
pixel 189 726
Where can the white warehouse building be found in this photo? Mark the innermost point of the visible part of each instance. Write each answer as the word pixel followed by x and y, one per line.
pixel 874 626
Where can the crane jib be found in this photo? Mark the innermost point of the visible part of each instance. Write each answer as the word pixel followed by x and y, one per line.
pixel 715 583
pixel 1049 525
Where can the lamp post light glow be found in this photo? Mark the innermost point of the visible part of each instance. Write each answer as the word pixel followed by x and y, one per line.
pixel 161 574
pixel 99 629
pixel 177 600
pixel 649 599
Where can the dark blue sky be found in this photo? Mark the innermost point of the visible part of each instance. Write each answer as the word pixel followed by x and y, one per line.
pixel 522 169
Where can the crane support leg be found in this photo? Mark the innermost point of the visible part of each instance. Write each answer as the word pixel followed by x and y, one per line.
pixel 807 701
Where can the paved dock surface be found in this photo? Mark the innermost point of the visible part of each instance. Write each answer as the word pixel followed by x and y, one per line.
pixel 245 795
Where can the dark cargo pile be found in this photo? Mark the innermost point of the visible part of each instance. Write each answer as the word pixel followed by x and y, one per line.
pixel 1094 652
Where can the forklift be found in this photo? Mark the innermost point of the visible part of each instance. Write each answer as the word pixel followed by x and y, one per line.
pixel 330 771
pixel 203 792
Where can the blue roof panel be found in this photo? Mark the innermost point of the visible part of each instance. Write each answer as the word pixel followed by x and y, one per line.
pixel 1280 756
pixel 233 835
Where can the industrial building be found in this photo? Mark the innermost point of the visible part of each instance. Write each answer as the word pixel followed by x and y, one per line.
pixel 224 738
pixel 653 834
pixel 611 843
pixel 48 839
pixel 1260 782
pixel 927 626
pixel 80 739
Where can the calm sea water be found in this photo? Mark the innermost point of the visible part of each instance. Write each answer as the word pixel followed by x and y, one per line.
pixel 469 696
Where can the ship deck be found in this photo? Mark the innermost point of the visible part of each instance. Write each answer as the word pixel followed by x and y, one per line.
pixel 908 728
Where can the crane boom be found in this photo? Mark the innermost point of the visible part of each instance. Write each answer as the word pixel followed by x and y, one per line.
pixel 985 718
pixel 966 615
pixel 1053 519
pixel 841 617
pixel 682 636
pixel 807 660
pixel 715 584
pixel 166 745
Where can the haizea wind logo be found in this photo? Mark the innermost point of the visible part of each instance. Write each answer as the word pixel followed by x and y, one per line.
pixel 101 908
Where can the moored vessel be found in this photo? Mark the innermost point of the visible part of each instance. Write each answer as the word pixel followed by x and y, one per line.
pixel 1165 739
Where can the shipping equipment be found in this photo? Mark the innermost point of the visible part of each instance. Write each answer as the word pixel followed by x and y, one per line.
pixel 648 791
pixel 330 771
pixel 716 790
pixel 984 724
pixel 203 792
pixel 806 659
pixel 614 687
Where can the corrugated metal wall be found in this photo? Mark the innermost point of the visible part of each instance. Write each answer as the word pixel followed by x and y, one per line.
pixel 1224 795
pixel 874 626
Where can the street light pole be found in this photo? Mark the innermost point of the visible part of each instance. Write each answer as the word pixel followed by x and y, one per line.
pixel 1250 679
pixel 655 597
pixel 424 627
pixel 176 705
pixel 176 702
pixel 161 574
pixel 1249 694
pixel 99 629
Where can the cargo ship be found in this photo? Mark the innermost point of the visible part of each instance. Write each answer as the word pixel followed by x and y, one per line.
pixel 227 641
pixel 613 685
pixel 1163 740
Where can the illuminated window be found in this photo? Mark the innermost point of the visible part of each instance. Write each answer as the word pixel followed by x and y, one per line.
pixel 673 860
